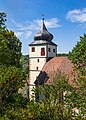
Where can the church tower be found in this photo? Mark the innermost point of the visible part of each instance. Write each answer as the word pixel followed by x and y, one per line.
pixel 41 50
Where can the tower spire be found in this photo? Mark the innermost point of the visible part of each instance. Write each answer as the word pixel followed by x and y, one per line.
pixel 43 34
pixel 43 27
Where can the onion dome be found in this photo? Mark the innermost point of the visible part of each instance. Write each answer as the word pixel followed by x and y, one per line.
pixel 43 34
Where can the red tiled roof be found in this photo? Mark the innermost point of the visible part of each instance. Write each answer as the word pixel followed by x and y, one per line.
pixel 62 65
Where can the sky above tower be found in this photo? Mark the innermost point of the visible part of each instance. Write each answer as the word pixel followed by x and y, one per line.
pixel 65 19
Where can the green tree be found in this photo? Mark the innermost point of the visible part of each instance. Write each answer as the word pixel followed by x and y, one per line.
pixel 78 55
pixel 57 102
pixel 11 79
pixel 24 61
pixel 10 45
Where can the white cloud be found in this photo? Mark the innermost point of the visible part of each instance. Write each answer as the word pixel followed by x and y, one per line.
pixel 24 30
pixel 77 15
pixel 16 24
pixel 50 23
pixel 34 25
pixel 24 34
pixel 27 34
pixel 18 34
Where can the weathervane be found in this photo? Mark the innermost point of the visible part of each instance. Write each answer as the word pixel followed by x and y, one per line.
pixel 42 16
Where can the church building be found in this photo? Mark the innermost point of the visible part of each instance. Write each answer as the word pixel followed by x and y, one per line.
pixel 41 50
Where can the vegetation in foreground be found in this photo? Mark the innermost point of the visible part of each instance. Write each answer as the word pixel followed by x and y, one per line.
pixel 56 105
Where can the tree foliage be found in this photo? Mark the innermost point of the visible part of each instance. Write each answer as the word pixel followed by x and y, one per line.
pixel 78 54
pixel 58 101
pixel 24 62
pixel 62 55
pixel 10 45
pixel 11 79
pixel 78 57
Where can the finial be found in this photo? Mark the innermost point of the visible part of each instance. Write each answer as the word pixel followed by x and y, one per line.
pixel 43 17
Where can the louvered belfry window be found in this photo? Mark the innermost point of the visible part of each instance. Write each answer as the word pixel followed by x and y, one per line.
pixel 42 51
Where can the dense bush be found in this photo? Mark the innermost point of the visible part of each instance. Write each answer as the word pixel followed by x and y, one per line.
pixel 11 79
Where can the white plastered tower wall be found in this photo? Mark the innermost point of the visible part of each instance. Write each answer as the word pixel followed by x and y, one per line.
pixel 40 51
pixel 36 63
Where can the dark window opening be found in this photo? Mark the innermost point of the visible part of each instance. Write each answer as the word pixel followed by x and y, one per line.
pixel 33 49
pixel 36 68
pixel 53 50
pixel 37 60
pixel 49 49
pixel 42 51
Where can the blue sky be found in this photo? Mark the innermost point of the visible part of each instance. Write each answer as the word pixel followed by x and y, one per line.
pixel 65 19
